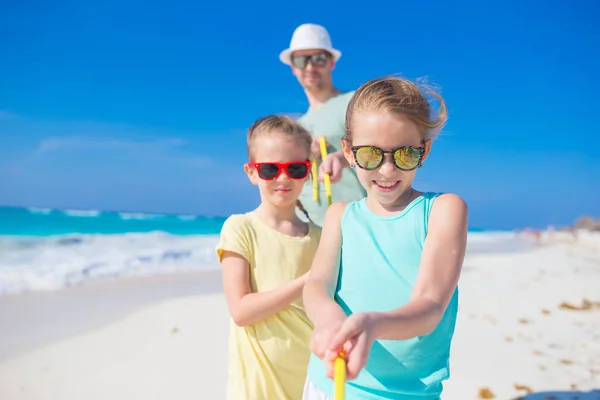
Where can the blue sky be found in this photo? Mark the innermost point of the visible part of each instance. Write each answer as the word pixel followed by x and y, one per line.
pixel 142 106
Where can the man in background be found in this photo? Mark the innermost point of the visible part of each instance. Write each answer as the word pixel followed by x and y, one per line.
pixel 312 58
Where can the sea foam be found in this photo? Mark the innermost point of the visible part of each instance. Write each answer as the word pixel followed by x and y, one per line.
pixel 55 262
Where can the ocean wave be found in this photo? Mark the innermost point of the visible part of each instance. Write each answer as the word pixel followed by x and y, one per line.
pixel 50 263
pixel 190 217
pixel 140 215
pixel 81 213
pixel 38 210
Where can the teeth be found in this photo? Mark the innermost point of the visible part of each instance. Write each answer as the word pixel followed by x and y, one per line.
pixel 385 183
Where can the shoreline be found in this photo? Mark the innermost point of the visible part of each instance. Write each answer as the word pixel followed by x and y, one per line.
pixel 100 303
pixel 23 270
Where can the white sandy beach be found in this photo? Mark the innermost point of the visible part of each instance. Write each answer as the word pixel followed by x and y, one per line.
pixel 165 337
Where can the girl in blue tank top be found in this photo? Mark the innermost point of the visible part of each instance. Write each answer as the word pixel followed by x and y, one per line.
pixel 383 284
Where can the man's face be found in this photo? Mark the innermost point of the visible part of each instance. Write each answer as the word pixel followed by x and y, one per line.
pixel 313 68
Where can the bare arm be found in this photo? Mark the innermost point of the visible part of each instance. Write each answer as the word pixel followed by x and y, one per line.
pixel 247 307
pixel 441 263
pixel 320 286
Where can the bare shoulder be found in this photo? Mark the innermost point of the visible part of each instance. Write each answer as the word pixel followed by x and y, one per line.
pixel 449 210
pixel 337 208
pixel 334 213
pixel 449 203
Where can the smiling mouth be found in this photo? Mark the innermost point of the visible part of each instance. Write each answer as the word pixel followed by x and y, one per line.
pixel 386 186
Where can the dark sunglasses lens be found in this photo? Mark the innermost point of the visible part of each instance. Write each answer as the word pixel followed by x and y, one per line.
pixel 369 157
pixel 319 59
pixel 268 171
pixel 407 158
pixel 298 171
pixel 299 61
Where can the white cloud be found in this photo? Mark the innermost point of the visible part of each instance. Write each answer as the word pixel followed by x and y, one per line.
pixel 84 143
pixel 170 151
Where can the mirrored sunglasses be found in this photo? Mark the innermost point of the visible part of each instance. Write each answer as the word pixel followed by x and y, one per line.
pixel 405 158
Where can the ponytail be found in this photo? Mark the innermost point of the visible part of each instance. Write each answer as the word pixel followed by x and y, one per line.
pixel 301 208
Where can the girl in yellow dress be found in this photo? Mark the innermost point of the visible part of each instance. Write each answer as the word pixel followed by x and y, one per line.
pixel 265 256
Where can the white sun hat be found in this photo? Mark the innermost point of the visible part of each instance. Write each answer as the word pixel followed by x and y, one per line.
pixel 306 37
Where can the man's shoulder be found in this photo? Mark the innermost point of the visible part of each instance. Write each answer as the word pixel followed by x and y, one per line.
pixel 337 102
pixel 347 94
pixel 342 98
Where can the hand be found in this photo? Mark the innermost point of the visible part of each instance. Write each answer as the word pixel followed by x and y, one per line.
pixel 315 147
pixel 355 337
pixel 323 333
pixel 333 165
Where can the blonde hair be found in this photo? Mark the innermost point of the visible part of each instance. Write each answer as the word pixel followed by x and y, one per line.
pixel 398 96
pixel 282 125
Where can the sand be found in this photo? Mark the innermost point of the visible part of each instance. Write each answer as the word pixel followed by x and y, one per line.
pixel 165 337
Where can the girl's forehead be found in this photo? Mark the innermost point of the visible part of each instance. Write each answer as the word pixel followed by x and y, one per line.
pixel 280 147
pixel 385 130
pixel 275 140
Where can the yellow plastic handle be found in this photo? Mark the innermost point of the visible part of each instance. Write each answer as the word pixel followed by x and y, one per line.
pixel 315 179
pixel 339 377
pixel 327 179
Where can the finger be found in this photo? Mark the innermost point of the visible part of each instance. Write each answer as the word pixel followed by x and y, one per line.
pixel 356 358
pixel 347 331
pixel 322 173
pixel 336 175
pixel 349 345
pixel 324 349
pixel 329 369
pixel 331 355
pixel 316 349
pixel 334 168
pixel 326 167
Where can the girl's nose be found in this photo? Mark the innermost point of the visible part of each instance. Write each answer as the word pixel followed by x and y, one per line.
pixel 283 177
pixel 387 168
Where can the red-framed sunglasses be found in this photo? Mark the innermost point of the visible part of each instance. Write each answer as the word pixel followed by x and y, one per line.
pixel 271 170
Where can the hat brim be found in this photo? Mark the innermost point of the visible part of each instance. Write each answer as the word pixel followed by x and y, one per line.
pixel 286 55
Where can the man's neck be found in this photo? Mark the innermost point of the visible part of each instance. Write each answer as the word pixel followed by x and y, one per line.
pixel 317 99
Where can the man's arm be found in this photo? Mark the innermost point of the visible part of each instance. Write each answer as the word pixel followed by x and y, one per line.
pixel 340 155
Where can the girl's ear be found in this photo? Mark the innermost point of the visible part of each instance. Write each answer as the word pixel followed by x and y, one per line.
pixel 428 143
pixel 348 155
pixel 251 173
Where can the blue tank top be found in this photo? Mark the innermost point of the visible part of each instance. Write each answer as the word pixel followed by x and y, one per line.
pixel 379 263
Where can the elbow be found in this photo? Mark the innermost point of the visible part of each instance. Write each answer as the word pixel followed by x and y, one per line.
pixel 239 317
pixel 240 320
pixel 433 319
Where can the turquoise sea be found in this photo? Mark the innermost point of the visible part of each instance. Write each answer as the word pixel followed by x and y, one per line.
pixel 48 249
